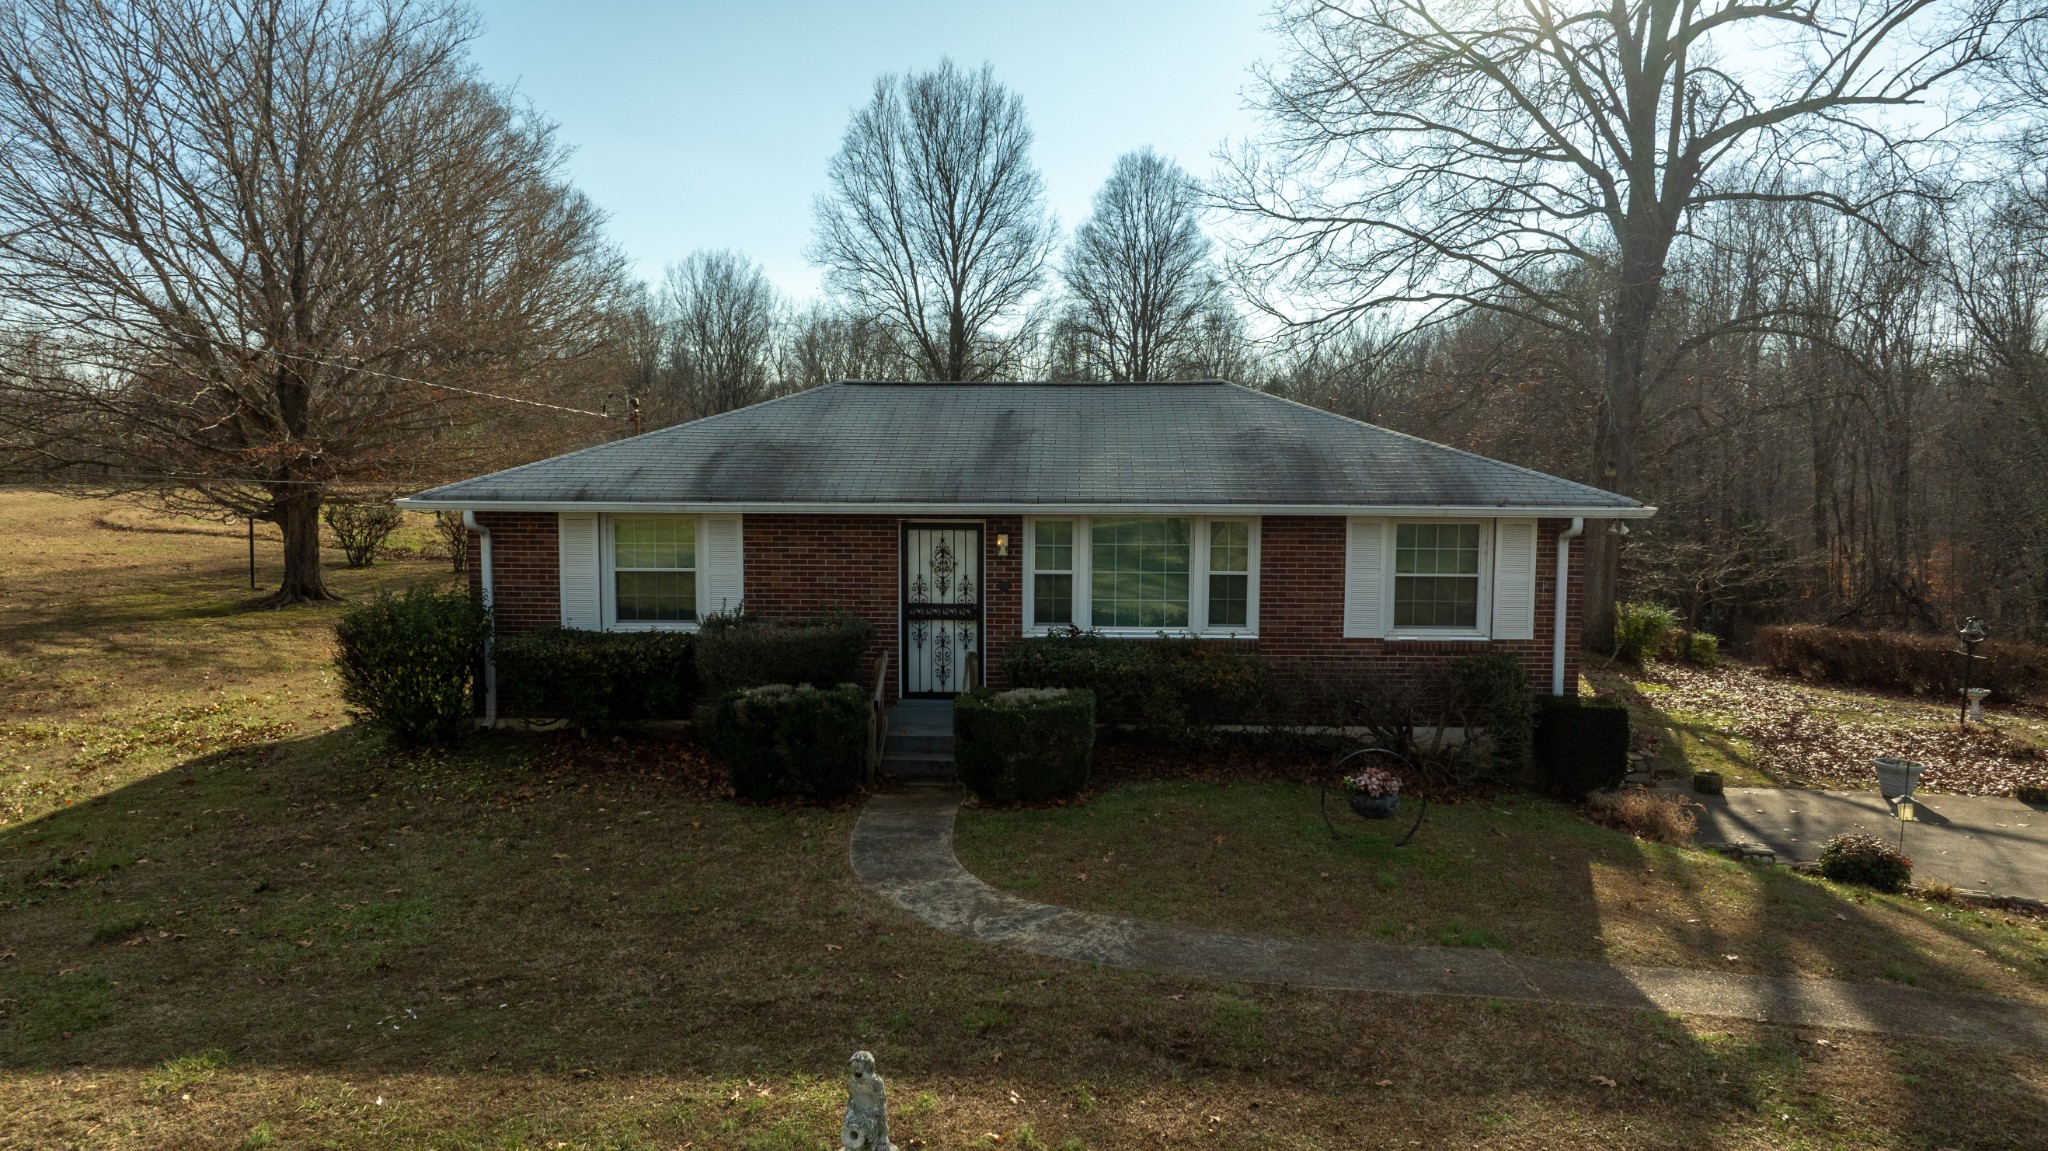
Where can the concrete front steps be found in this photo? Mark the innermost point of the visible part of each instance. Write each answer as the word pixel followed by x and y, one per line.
pixel 918 747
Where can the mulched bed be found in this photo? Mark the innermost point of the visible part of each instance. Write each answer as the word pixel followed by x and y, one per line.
pixel 1800 737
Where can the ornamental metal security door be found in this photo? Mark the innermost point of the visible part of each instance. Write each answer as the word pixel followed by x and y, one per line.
pixel 941 608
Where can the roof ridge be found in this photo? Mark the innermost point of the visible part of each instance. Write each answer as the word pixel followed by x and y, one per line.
pixel 1325 412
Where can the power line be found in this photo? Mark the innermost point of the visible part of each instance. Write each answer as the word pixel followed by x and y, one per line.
pixel 432 384
pixel 414 380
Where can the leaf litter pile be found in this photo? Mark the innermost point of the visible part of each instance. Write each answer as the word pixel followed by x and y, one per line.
pixel 1821 740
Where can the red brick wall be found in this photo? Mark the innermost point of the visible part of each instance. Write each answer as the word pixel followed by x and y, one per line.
pixel 524 569
pixel 810 564
pixel 1301 605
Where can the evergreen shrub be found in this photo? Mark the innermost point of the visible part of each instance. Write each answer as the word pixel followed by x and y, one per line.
pixel 1029 744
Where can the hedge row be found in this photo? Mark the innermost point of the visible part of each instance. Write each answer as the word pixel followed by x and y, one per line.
pixel 1925 664
pixel 1163 683
pixel 597 679
pixel 739 651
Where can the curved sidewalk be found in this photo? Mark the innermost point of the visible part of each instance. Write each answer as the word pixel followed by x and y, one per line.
pixel 902 847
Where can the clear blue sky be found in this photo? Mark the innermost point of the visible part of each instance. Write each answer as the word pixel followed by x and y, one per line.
pixel 700 125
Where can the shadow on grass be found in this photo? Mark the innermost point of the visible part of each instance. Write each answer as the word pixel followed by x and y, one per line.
pixel 540 935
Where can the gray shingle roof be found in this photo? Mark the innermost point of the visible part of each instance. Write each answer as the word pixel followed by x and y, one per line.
pixel 991 446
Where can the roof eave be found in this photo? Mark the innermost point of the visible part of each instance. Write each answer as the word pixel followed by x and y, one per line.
pixel 742 507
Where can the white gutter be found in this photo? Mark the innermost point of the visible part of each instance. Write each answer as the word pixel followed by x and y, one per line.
pixel 1564 584
pixel 484 578
pixel 755 507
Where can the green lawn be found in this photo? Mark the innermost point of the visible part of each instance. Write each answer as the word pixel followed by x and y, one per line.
pixel 1514 872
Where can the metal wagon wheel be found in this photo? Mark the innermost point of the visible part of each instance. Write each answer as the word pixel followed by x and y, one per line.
pixel 1335 776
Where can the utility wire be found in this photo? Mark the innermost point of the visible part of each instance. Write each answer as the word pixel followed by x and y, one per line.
pixel 414 380
pixel 432 384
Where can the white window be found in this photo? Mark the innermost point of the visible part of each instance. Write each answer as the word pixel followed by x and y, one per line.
pixel 1230 574
pixel 1424 579
pixel 649 572
pixel 1052 573
pixel 1142 575
pixel 1436 576
pixel 654 569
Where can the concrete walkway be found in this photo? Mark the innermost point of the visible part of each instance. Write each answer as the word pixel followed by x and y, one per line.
pixel 903 848
pixel 1977 842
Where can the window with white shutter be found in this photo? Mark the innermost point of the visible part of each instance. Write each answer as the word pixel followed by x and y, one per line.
pixel 1514 579
pixel 1365 578
pixel 577 571
pixel 724 580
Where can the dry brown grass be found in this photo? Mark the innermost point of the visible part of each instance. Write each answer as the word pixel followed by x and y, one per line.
pixel 124 649
pixel 307 941
pixel 1650 815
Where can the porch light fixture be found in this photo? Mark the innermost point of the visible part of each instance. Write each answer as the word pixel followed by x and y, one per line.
pixel 1002 543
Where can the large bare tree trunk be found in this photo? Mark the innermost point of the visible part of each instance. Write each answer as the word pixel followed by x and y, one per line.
pixel 298 517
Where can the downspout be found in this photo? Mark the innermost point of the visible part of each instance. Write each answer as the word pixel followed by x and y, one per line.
pixel 484 579
pixel 1564 585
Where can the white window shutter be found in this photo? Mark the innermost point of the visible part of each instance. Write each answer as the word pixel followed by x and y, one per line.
pixel 722 568
pixel 1514 579
pixel 1365 577
pixel 578 571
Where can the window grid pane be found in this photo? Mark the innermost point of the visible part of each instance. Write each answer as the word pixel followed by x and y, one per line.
pixel 654 596
pixel 654 565
pixel 1230 546
pixel 1436 582
pixel 1140 573
pixel 1053 546
pixel 1052 599
pixel 666 545
pixel 1227 600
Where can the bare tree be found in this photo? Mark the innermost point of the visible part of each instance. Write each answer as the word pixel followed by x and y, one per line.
pixel 822 345
pixel 1435 158
pixel 936 218
pixel 719 313
pixel 251 224
pixel 1139 268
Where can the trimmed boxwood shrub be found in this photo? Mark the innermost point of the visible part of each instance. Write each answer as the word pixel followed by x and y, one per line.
pixel 409 663
pixel 1028 744
pixel 740 650
pixel 597 678
pixel 1581 744
pixel 783 740
pixel 1161 683
pixel 1867 860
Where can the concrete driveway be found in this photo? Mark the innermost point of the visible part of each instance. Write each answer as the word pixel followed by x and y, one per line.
pixel 1977 842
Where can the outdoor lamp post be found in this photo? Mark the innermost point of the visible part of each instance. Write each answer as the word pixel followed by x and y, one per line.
pixel 1972 634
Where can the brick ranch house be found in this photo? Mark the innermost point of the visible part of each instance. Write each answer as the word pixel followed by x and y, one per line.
pixel 958 517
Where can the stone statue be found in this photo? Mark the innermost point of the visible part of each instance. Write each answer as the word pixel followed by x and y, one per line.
pixel 867 1108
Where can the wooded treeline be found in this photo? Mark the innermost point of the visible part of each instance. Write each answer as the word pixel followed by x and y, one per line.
pixel 1777 268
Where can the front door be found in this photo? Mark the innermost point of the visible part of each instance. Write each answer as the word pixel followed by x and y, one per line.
pixel 941 608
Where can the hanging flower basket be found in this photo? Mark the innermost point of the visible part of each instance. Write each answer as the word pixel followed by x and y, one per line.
pixel 1374 793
